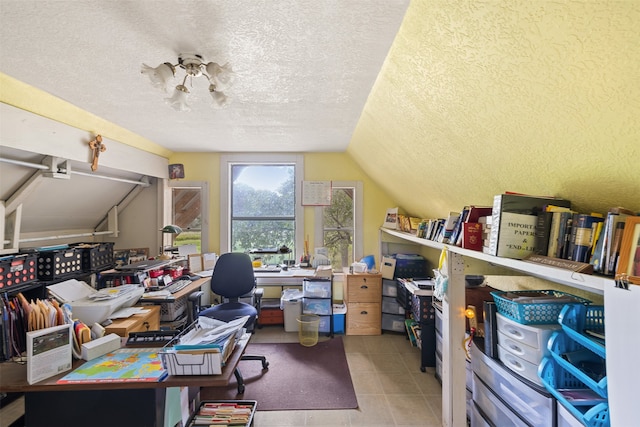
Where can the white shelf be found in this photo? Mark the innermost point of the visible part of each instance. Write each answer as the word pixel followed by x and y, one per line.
pixel 585 282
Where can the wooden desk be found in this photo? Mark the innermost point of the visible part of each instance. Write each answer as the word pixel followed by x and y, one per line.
pixel 168 313
pixel 103 404
pixel 142 322
pixel 291 277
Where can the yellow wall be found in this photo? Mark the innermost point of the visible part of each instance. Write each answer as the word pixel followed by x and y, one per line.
pixel 477 98
pixel 318 167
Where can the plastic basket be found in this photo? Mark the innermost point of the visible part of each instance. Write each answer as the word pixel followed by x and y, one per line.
pixel 576 318
pixel 533 313
pixel 17 270
pixel 554 377
pixel 170 311
pixel 579 361
pixel 227 408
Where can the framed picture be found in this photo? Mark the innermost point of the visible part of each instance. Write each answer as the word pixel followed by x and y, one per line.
pixel 176 171
pixel 391 219
pixel 629 258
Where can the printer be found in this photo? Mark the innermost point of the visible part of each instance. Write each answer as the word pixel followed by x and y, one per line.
pixel 91 305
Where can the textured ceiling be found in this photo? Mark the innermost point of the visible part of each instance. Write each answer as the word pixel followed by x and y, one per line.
pixel 304 68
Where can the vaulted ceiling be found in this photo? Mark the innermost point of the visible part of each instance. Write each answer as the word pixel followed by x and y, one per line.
pixel 303 68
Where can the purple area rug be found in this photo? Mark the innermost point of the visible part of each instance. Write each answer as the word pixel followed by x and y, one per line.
pixel 298 378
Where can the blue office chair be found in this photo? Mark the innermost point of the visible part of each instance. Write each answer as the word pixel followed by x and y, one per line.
pixel 233 278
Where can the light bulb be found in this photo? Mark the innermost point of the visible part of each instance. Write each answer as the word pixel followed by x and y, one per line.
pixel 220 100
pixel 222 76
pixel 160 75
pixel 179 99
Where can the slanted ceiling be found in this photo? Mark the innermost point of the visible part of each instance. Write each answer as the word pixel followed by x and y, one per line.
pixel 76 204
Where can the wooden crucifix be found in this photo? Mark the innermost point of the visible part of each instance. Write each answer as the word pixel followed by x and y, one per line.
pixel 97 147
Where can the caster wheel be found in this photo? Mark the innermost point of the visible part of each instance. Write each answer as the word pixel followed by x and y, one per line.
pixel 265 365
pixel 241 389
pixel 423 369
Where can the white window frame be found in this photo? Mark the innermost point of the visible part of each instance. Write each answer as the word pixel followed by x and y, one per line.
pixel 227 160
pixel 204 208
pixel 358 234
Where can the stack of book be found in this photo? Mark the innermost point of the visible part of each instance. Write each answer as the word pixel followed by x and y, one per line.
pixel 514 221
pixel 584 238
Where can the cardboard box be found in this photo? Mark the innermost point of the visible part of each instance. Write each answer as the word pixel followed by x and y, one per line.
pixel 388 267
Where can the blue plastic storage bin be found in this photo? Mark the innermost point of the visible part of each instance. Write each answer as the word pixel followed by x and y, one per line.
pixel 554 378
pixel 579 361
pixel 575 319
pixel 533 313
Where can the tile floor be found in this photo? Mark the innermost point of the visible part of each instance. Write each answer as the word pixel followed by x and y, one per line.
pixel 385 369
pixel 391 389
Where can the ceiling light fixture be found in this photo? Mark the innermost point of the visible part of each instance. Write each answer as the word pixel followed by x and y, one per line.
pixel 220 78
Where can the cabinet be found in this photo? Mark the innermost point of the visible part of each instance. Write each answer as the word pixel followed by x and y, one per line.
pixel 393 313
pixel 149 321
pixel 453 330
pixel 317 299
pixel 527 404
pixel 363 296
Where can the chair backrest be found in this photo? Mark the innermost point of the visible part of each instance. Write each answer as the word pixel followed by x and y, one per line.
pixel 233 275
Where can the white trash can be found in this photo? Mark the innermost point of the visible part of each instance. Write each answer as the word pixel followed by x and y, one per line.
pixel 291 304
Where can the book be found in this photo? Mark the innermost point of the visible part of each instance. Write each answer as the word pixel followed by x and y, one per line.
pixel 414 223
pixel 457 229
pixel 517 235
pixel 554 232
pixel 564 234
pixel 391 219
pixel 519 204
pixel 472 236
pixel 123 365
pixel 448 226
pixel 48 352
pixel 596 253
pixel 543 230
pixel 615 234
pixel 489 310
pixel 583 235
pixel 473 215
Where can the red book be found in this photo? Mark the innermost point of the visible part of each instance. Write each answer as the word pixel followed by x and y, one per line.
pixel 472 236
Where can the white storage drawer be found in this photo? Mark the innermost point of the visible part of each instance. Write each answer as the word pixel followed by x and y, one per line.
pixel 316 288
pixel 496 411
pixel 438 320
pixel 521 350
pixel 566 419
pixel 391 306
pixel 393 322
pixel 438 344
pixel 535 336
pixel 318 306
pixel 520 366
pixel 477 420
pixel 537 406
pixel 389 288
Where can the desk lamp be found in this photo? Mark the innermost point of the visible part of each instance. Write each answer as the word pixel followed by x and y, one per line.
pixel 167 229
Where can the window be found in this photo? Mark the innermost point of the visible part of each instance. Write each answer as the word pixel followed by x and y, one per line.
pixel 340 228
pixel 189 212
pixel 259 206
